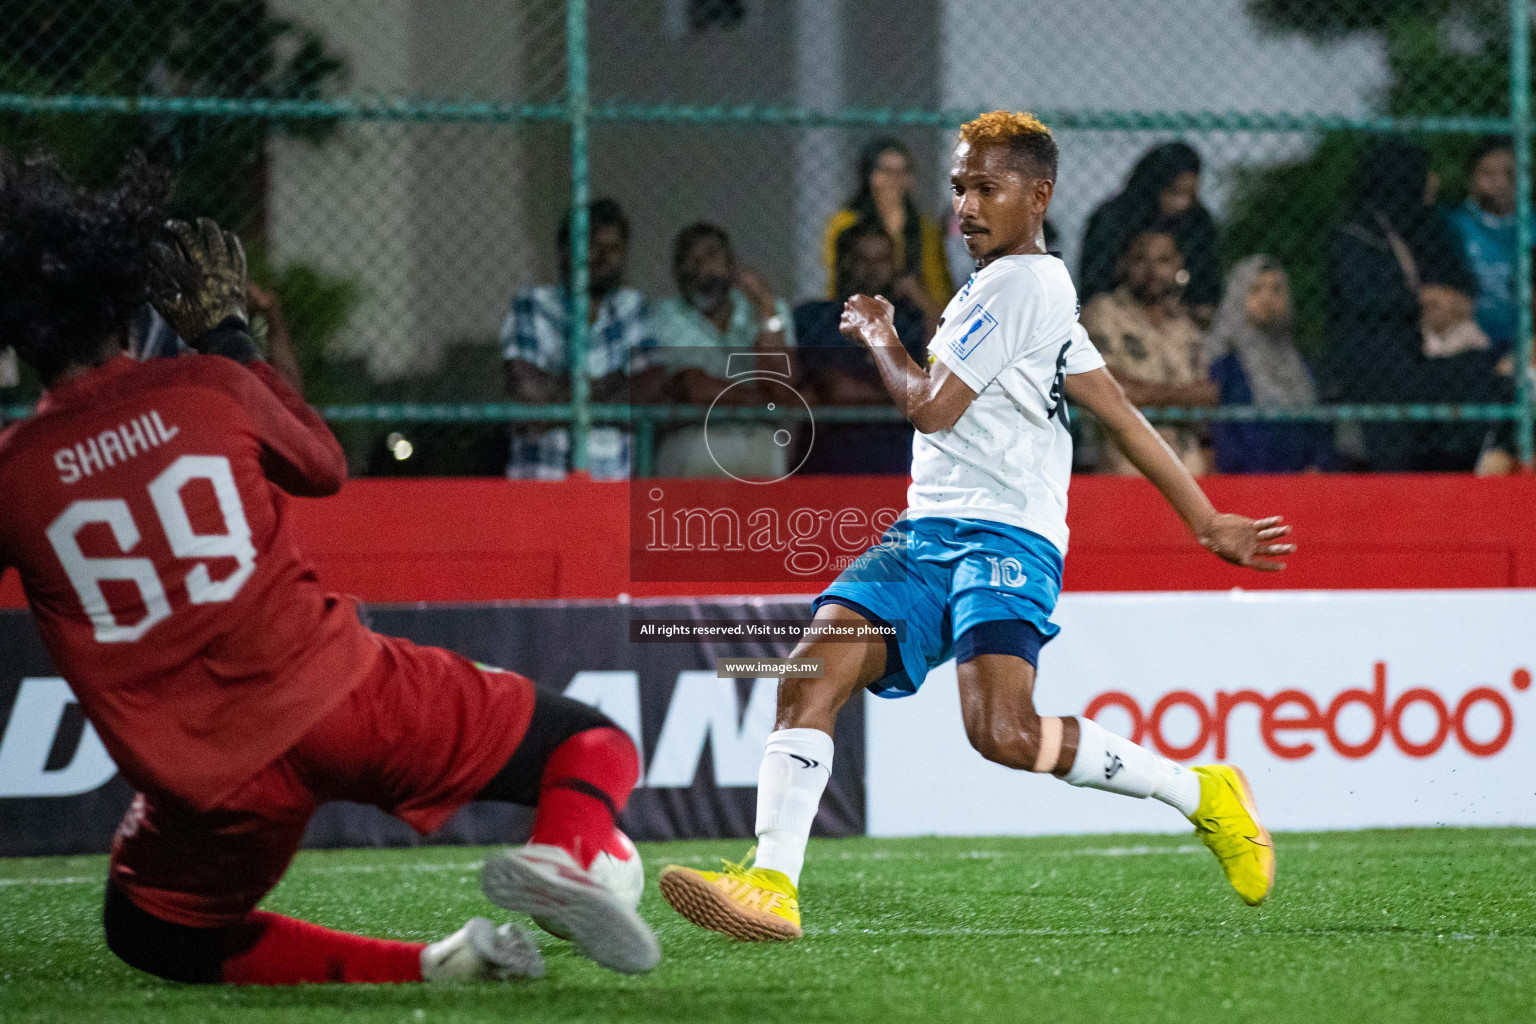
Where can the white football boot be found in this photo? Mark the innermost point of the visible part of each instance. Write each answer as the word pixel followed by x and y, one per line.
pixel 547 883
pixel 480 951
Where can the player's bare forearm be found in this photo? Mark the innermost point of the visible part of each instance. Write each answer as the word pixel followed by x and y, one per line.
pixel 1232 538
pixel 1202 394
pixel 907 383
pixel 1102 395
pixel 282 357
pixel 930 401
pixel 280 352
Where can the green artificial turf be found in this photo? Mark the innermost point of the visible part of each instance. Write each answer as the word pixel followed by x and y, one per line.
pixel 1400 926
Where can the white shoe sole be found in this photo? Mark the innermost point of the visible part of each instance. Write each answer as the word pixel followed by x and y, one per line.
pixel 604 930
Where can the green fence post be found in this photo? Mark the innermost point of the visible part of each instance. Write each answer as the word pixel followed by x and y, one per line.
pixel 644 451
pixel 1520 117
pixel 578 107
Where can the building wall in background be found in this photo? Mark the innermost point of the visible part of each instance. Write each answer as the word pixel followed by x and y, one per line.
pixel 430 219
pixel 1194 55
pixel 440 223
pixel 771 188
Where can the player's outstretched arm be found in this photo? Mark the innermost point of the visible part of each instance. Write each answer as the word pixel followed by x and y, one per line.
pixel 930 401
pixel 1254 544
pixel 198 283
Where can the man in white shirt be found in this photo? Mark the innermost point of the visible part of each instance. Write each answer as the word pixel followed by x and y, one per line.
pixel 974 568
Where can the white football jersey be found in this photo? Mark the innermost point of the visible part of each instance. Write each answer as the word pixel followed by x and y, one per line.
pixel 1012 334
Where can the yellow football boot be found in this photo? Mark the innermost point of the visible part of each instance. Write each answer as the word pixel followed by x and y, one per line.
pixel 750 904
pixel 1228 824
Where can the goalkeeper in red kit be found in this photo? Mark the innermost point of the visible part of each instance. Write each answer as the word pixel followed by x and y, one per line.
pixel 144 507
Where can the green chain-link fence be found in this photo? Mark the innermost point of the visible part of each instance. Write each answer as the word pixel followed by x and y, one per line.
pixel 399 168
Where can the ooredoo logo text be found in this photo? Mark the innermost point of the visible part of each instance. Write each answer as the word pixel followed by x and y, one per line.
pixel 1293 724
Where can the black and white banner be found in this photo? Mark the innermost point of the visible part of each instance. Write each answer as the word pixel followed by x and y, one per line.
pixel 701 737
pixel 1346 709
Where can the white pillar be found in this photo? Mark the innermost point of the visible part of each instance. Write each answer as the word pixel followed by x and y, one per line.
pixel 428 219
pixel 822 156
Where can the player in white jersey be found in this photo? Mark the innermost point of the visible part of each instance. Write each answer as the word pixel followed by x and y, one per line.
pixel 973 570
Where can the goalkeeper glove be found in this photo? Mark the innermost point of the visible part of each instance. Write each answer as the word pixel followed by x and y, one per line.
pixel 197 283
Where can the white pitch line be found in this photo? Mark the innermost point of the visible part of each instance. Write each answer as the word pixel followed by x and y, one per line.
pixel 368 869
pixel 878 855
pixel 56 880
pixel 872 855
pixel 961 932
pixel 654 862
pixel 979 933
pixel 1130 851
pixel 333 869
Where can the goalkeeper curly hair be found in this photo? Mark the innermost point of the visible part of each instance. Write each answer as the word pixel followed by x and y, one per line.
pixel 74 264
pixel 1023 134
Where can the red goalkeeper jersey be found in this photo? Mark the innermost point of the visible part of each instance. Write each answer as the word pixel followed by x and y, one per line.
pixel 143 507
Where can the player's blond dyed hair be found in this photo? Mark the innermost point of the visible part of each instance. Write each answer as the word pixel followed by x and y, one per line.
pixel 1023 133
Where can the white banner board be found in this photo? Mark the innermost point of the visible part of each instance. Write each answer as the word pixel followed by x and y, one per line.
pixel 1345 709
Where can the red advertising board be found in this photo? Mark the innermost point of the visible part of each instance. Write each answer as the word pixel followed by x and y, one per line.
pixel 445 540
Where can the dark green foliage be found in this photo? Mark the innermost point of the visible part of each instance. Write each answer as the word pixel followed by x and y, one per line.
pixel 1326 20
pixel 316 306
pixel 1288 212
pixel 1445 58
pixel 207 48
pixel 222 48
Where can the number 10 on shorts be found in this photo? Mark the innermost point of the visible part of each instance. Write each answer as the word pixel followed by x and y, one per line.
pixel 1006 572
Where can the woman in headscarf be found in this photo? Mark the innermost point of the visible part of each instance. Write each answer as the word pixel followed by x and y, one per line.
pixel 1253 357
pixel 884 196
pixel 1163 190
pixel 1396 280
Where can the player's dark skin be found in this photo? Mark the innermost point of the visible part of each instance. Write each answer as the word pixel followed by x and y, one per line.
pixel 1000 200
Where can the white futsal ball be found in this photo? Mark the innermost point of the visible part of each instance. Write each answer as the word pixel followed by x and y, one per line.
pixel 620 871
pixel 617 869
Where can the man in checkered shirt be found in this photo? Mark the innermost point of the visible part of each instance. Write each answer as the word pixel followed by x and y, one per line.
pixel 533 339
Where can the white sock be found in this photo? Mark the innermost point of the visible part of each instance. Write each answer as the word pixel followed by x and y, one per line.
pixel 796 766
pixel 1115 764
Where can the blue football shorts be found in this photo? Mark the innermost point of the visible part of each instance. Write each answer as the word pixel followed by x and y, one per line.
pixel 934 578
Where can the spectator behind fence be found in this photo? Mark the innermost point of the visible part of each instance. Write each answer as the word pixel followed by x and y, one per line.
pixel 1151 344
pixel 836 371
pixel 1163 192
pixel 533 339
pixel 1400 327
pixel 1485 226
pixel 1251 349
pixel 720 307
pixel 884 196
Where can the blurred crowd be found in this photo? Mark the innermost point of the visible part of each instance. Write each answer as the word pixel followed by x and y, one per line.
pixel 1420 309
pixel 1419 297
